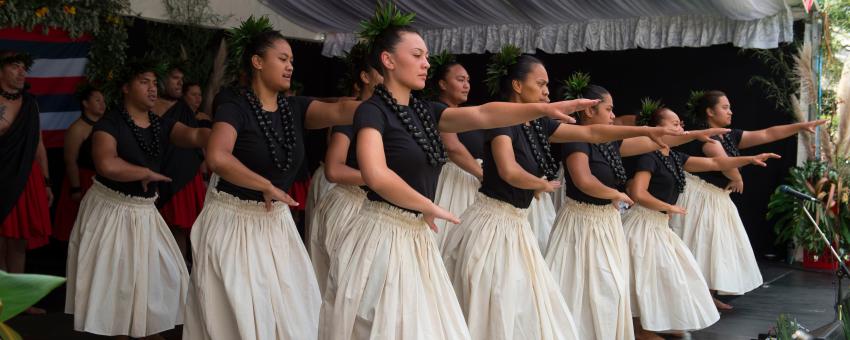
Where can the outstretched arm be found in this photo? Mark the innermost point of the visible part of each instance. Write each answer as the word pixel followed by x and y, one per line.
pixel 774 133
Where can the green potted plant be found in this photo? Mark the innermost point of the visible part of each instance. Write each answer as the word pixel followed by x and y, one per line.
pixel 20 291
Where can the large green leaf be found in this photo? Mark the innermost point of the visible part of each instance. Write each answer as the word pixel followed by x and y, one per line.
pixel 20 291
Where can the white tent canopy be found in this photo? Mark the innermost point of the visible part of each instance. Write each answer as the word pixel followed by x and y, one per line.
pixel 233 12
pixel 556 26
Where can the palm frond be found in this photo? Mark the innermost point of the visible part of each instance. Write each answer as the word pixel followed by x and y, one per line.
pixel 498 66
pixel 386 15
pixel 648 106
pixel 575 85
pixel 239 37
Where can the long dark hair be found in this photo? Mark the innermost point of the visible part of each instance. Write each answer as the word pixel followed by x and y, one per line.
pixel 701 104
pixel 259 44
pixel 440 73
pixel 517 71
pixel 386 41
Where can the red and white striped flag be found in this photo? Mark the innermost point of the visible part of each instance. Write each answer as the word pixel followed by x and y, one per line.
pixel 59 66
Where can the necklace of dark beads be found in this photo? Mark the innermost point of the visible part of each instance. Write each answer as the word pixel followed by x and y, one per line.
pixel 11 95
pixel 674 164
pixel 429 140
pixel 540 148
pixel 152 148
pixel 731 149
pixel 612 156
pixel 286 139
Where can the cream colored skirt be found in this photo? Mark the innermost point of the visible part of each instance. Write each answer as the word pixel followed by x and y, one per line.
pixel 251 278
pixel 456 190
pixel 319 186
pixel 667 288
pixel 541 216
pixel 126 275
pixel 387 281
pixel 501 279
pixel 715 234
pixel 332 218
pixel 589 258
pixel 559 197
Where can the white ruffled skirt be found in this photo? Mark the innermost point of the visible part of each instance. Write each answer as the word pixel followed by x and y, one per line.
pixel 126 275
pixel 501 279
pixel 456 190
pixel 319 186
pixel 589 258
pixel 668 291
pixel 387 281
pixel 715 234
pixel 541 216
pixel 333 217
pixel 251 278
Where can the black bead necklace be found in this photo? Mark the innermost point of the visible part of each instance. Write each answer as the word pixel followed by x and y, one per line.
pixel 540 148
pixel 674 164
pixel 10 95
pixel 429 140
pixel 86 119
pixel 286 140
pixel 612 156
pixel 151 149
pixel 731 149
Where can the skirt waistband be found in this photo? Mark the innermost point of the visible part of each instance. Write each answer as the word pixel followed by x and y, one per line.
pixel 117 196
pixel 497 206
pixel 574 206
pixel 351 190
pixel 224 200
pixel 397 215
pixel 644 212
pixel 703 185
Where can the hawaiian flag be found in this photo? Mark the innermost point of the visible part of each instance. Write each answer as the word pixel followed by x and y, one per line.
pixel 59 67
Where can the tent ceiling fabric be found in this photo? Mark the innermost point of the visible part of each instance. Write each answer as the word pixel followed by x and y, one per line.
pixel 233 13
pixel 559 26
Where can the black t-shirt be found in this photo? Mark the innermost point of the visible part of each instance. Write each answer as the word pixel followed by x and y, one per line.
pixel 225 94
pixel 179 164
pixel 694 148
pixel 493 185
pixel 662 185
pixel 474 142
pixel 348 131
pixel 84 160
pixel 599 167
pixel 129 150
pixel 252 149
pixel 404 156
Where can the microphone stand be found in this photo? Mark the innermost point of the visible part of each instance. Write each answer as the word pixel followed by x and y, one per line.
pixel 835 327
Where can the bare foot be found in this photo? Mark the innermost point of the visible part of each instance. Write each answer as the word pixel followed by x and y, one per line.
pixel 35 311
pixel 722 306
pixel 642 334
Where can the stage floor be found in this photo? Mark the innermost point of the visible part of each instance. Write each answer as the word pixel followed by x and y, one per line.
pixel 805 295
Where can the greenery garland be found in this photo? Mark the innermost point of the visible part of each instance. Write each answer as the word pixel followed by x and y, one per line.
pixel 387 15
pixel 691 117
pixel 575 85
pixel 239 37
pixel 499 65
pixel 648 106
pixel 102 19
